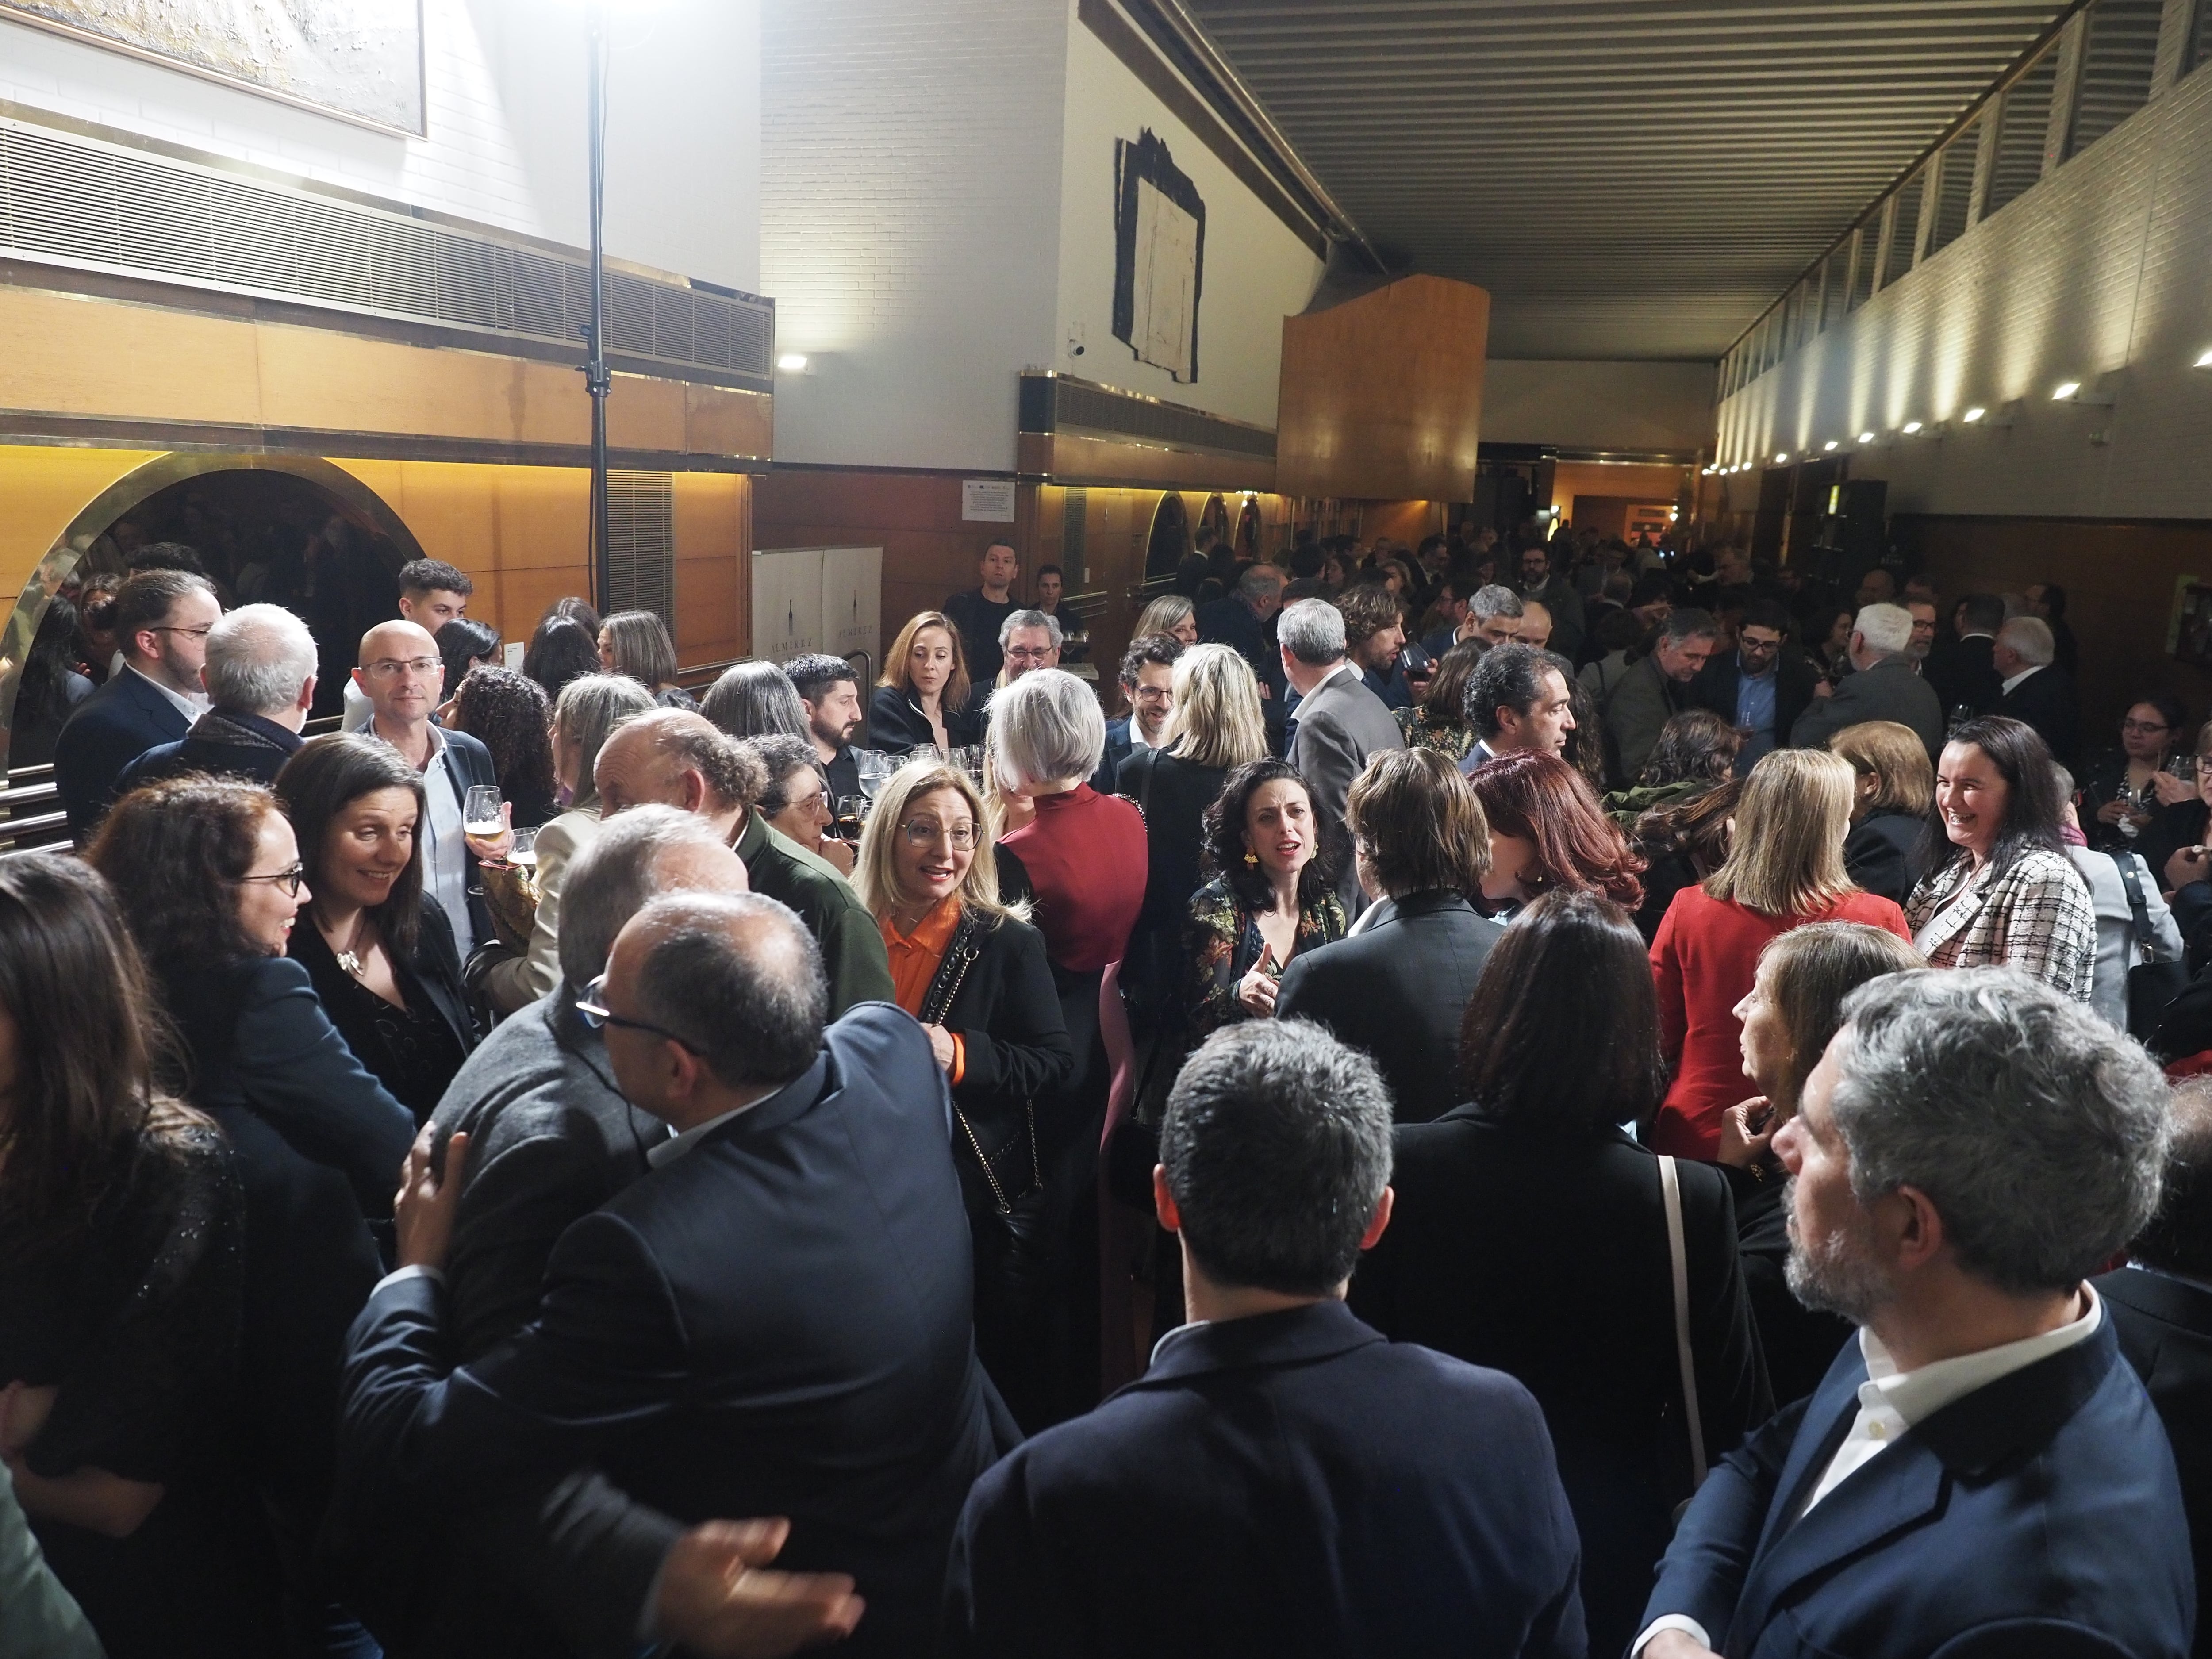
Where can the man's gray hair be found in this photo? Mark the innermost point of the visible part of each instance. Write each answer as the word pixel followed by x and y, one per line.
pixel 751 1007
pixel 1886 628
pixel 1261 580
pixel 260 658
pixel 1042 619
pixel 1689 623
pixel 1045 728
pixel 613 878
pixel 2029 636
pixel 2038 1134
pixel 1495 600
pixel 1312 630
pixel 1277 1147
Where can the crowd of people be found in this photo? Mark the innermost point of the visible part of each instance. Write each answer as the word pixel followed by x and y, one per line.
pixel 1521 1095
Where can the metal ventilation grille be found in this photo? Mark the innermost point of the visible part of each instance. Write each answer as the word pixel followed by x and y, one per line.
pixel 2023 131
pixel 1053 402
pixel 2116 67
pixel 641 544
pixel 76 202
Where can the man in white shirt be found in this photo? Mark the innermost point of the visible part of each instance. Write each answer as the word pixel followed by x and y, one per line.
pixel 1980 1473
pixel 431 594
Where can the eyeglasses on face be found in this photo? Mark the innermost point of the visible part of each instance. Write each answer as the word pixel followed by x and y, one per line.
pixel 1025 654
pixel 384 668
pixel 290 880
pixel 926 832
pixel 2146 727
pixel 199 633
pixel 592 1006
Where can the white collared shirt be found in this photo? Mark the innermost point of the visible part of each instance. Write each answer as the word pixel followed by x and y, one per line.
pixel 2033 668
pixel 667 1151
pixel 445 845
pixel 190 705
pixel 1892 1402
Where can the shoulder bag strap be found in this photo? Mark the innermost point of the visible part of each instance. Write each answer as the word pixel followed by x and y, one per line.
pixel 1678 1254
pixel 951 970
pixel 2145 938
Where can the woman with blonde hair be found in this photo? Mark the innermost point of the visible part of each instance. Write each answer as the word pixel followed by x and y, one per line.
pixel 972 971
pixel 1170 614
pixel 922 697
pixel 1784 869
pixel 1895 791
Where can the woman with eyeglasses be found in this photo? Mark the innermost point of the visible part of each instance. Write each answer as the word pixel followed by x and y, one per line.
pixel 383 962
pixel 208 879
pixel 2126 790
pixel 973 972
pixel 796 803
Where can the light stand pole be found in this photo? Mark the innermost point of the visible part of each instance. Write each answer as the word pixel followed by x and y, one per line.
pixel 598 382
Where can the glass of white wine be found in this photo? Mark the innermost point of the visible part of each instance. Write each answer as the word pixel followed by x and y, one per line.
pixel 523 853
pixel 480 813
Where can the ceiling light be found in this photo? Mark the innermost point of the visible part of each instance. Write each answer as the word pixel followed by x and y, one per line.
pixel 1829 447
pixel 2097 394
pixel 1783 458
pixel 1973 415
pixel 1866 437
pixel 2067 389
pixel 792 362
pixel 2205 361
pixel 1910 428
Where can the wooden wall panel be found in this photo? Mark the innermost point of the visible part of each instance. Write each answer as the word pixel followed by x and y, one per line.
pixel 2119 580
pixel 714 512
pixel 45 490
pixel 1382 396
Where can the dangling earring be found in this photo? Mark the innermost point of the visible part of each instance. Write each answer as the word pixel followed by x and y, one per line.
pixel 1251 859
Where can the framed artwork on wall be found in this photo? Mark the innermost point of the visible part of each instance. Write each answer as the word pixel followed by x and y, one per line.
pixel 1159 256
pixel 359 60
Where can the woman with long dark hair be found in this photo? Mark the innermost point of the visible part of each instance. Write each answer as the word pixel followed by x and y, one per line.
pixel 1549 833
pixel 384 963
pixel 2009 896
pixel 1530 1234
pixel 1439 720
pixel 53 683
pixel 121 1221
pixel 462 645
pixel 562 649
pixel 509 713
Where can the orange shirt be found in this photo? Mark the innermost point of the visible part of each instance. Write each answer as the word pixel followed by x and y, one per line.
pixel 915 957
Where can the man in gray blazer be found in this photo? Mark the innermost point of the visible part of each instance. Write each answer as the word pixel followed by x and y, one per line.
pixel 1656 690
pixel 1338 722
pixel 1885 685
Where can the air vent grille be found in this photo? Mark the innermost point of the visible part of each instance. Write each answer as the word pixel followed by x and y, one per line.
pixel 78 202
pixel 1051 403
pixel 641 543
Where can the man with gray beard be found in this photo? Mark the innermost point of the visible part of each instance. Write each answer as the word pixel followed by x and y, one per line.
pixel 1980 1473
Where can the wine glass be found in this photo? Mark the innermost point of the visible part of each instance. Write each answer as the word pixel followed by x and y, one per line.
pixel 524 851
pixel 852 812
pixel 480 813
pixel 871 767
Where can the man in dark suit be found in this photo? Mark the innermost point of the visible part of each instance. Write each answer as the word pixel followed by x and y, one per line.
pixel 260 680
pixel 1655 688
pixel 1517 697
pixel 1762 686
pixel 400 674
pixel 1338 723
pixel 1283 1479
pixel 775 1322
pixel 1148 688
pixel 1981 1473
pixel 1962 669
pixel 1884 685
pixel 829 691
pixel 2161 1308
pixel 2036 691
pixel 1398 987
pixel 162 619
pixel 1239 621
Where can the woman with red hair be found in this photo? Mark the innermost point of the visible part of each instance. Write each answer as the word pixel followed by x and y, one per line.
pixel 1548 834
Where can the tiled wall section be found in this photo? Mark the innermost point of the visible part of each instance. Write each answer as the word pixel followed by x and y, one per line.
pixel 2099 270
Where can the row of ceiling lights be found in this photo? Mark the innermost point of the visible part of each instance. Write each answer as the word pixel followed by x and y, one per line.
pixel 2066 391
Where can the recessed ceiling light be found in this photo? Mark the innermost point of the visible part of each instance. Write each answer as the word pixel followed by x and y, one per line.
pixel 792 362
pixel 2066 389
pixel 1973 414
pixel 1911 426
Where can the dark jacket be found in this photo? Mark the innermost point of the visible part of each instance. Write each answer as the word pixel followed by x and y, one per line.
pixel 2165 1328
pixel 852 954
pixel 1116 750
pixel 1399 989
pixel 222 742
pixel 1963 673
pixel 1173 794
pixel 980 621
pixel 1003 1008
pixel 1636 712
pixel 1286 1484
pixel 896 723
pixel 1889 691
pixel 431 972
pixel 1882 854
pixel 109 730
pixel 1546 1257
pixel 1716 687
pixel 715 1359
pixel 2037 1514
pixel 2046 701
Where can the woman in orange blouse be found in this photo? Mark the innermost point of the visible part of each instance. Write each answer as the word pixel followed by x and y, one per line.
pixel 972 971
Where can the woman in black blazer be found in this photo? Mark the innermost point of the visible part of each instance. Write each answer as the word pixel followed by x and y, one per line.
pixel 208 877
pixel 973 971
pixel 1529 1234
pixel 922 697
pixel 383 962
pixel 1889 819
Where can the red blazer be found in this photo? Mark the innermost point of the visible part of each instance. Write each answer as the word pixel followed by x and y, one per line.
pixel 1086 856
pixel 1703 959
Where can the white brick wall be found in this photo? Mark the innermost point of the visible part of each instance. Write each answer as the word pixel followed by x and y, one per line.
pixel 504 83
pixel 2103 267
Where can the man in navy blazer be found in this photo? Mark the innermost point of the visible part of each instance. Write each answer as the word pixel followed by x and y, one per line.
pixel 162 619
pixel 1148 688
pixel 773 1323
pixel 1283 1480
pixel 1980 1473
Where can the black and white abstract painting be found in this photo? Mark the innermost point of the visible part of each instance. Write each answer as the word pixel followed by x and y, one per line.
pixel 1159 256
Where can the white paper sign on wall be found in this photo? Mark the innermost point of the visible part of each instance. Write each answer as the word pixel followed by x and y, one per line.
pixel 987 501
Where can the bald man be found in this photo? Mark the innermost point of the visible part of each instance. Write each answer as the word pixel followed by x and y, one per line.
pixel 400 673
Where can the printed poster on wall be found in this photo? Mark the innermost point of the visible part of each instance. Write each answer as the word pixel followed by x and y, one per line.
pixel 987 501
pixel 1159 256
pixel 786 602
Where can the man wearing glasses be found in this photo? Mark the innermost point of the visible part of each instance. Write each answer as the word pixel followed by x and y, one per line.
pixel 1031 640
pixel 400 674
pixel 162 621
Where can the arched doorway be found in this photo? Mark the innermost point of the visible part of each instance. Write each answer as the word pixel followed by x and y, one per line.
pixel 1215 517
pixel 1248 531
pixel 1170 538
pixel 294 531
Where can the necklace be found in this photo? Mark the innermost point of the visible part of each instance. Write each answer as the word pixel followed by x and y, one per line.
pixel 349 960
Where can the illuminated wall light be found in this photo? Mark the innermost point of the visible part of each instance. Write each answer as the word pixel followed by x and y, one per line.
pixel 1866 437
pixel 792 362
pixel 1910 428
pixel 1830 447
pixel 2205 361
pixel 1783 458
pixel 2066 389
pixel 1973 415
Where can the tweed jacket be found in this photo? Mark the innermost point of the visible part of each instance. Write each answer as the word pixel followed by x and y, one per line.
pixel 2034 915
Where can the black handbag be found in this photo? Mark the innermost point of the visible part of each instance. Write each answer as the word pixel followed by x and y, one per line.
pixel 2151 983
pixel 1003 1185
